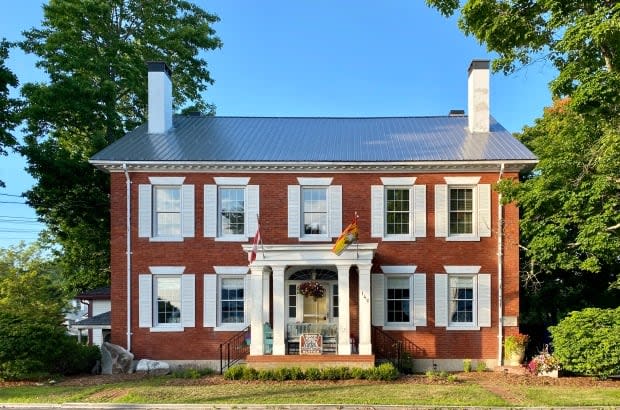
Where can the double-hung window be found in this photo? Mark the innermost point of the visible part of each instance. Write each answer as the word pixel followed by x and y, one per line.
pixel 231 208
pixel 166 209
pixel 166 299
pixel 399 298
pixel 462 209
pixel 398 209
pixel 462 298
pixel 314 209
pixel 227 298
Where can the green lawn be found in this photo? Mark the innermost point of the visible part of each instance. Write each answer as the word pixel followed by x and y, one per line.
pixel 213 390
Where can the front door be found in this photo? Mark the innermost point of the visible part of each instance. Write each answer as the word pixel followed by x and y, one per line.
pixel 316 310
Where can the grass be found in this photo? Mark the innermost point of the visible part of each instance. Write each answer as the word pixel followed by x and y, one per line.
pixel 401 392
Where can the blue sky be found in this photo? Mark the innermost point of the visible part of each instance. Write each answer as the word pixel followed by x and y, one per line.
pixel 314 58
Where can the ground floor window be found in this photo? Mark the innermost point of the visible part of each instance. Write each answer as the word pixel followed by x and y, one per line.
pixel 232 300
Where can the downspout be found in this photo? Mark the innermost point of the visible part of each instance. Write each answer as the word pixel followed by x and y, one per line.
pixel 128 233
pixel 500 272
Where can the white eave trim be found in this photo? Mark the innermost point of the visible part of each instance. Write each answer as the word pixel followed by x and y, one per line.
pixel 461 268
pixel 318 167
pixel 167 270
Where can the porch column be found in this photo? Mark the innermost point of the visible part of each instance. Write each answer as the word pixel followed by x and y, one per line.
pixel 344 332
pixel 279 325
pixel 365 344
pixel 257 347
pixel 265 298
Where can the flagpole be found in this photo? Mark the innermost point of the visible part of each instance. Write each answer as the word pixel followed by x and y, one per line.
pixel 357 242
pixel 262 244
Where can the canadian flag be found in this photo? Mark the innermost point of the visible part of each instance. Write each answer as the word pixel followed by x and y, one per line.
pixel 252 254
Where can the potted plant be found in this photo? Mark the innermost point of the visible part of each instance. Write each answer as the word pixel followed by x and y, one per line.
pixel 311 288
pixel 514 349
pixel 544 364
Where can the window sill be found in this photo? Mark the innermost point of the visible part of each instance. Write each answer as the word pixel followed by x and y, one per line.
pixel 463 239
pixel 397 238
pixel 230 328
pixel 166 239
pixel 314 239
pixel 398 327
pixel 231 239
pixel 166 329
pixel 471 327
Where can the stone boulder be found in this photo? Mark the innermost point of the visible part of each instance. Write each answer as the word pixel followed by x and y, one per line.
pixel 115 359
pixel 153 367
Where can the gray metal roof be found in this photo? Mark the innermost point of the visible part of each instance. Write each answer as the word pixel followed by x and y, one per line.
pixel 299 139
pixel 102 319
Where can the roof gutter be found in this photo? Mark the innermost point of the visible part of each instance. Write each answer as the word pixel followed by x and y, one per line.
pixel 128 233
pixel 500 272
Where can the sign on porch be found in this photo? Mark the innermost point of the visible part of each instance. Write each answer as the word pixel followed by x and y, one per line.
pixel 310 343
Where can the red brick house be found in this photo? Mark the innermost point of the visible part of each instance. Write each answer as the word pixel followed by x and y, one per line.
pixel 435 267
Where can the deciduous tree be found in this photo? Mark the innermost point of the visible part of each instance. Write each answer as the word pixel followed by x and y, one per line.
pixel 95 53
pixel 8 105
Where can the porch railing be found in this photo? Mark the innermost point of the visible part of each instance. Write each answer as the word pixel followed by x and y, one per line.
pixel 234 349
pixel 329 331
pixel 386 348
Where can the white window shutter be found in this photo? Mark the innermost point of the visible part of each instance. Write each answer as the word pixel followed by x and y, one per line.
pixel 247 298
pixel 484 300
pixel 377 214
pixel 484 210
pixel 419 299
pixel 251 209
pixel 188 300
pixel 188 217
pixel 145 210
pixel 335 210
pixel 378 299
pixel 419 211
pixel 145 301
pixel 210 211
pixel 294 223
pixel 209 300
pixel 441 300
pixel 441 211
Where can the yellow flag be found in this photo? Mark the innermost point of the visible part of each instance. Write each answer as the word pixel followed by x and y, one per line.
pixel 347 237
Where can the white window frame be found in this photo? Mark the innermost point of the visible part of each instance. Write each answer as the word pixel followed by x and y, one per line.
pixel 220 282
pixel 212 304
pixel 474 214
pixel 296 211
pixel 167 326
pixel 399 325
pixel 417 208
pixel 155 213
pixel 417 297
pixel 302 212
pixel 464 325
pixel 213 207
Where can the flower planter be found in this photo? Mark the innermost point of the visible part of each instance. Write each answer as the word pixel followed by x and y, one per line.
pixel 550 373
pixel 516 358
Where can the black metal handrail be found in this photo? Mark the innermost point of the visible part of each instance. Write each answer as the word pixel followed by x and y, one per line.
pixel 385 347
pixel 235 349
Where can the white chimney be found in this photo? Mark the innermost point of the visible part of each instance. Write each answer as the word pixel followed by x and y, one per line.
pixel 160 97
pixel 478 96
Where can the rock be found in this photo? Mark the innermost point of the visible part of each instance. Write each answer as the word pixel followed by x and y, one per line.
pixel 115 359
pixel 153 367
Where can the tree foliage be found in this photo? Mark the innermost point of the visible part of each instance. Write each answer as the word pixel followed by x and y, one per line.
pixel 570 203
pixel 8 106
pixel 95 54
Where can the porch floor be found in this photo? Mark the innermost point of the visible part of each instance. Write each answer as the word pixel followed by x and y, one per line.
pixel 306 361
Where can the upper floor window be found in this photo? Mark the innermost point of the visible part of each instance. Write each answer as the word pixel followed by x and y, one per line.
pixel 165 209
pixel 231 208
pixel 232 211
pixel 314 209
pixel 462 209
pixel 398 209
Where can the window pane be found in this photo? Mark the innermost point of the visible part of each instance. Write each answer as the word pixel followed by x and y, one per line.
pixel 397 211
pixel 461 211
pixel 461 299
pixel 398 300
pixel 167 211
pixel 292 301
pixel 168 296
pixel 232 211
pixel 232 303
pixel 314 207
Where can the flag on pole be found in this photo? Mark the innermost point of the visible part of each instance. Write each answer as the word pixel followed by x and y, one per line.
pixel 257 239
pixel 347 237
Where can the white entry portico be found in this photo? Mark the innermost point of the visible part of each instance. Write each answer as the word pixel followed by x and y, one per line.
pixel 284 266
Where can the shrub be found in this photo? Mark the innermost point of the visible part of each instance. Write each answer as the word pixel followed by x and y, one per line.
pixel 481 366
pixel 312 373
pixel 296 373
pixel 467 365
pixel 234 372
pixel 249 373
pixel 384 372
pixel 588 342
pixel 358 373
pixel 406 363
pixel 265 375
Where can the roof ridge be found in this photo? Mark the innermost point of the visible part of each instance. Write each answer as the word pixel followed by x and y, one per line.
pixel 317 117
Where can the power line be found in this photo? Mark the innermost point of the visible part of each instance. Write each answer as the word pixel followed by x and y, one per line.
pixel 13 195
pixel 12 202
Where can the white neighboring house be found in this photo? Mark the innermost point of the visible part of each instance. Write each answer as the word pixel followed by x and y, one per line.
pixel 97 318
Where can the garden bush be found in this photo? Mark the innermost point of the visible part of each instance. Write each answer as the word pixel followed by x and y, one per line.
pixel 588 342
pixel 383 372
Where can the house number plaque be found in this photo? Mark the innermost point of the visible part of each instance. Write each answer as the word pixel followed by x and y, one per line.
pixel 310 343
